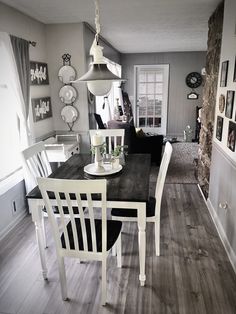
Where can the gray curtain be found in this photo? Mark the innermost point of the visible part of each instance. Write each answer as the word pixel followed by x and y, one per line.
pixel 21 53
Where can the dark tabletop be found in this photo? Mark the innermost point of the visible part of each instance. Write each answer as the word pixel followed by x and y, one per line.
pixel 130 184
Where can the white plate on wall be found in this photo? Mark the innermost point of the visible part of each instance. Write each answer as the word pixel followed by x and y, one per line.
pixel 90 169
pixel 66 74
pixel 67 94
pixel 69 114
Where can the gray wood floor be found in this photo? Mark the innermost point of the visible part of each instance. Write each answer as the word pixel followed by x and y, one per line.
pixel 192 275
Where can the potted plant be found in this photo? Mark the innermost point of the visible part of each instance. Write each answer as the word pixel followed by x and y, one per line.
pixel 118 155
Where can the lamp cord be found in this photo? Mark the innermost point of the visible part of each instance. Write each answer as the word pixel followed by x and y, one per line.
pixel 97 20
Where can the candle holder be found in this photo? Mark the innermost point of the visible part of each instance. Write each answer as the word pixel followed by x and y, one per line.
pixel 98 159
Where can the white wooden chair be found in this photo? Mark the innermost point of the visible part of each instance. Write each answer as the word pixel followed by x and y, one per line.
pixel 36 161
pixel 112 137
pixel 83 237
pixel 37 165
pixel 154 205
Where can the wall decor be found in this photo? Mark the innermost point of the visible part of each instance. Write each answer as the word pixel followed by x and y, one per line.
pixel 234 78
pixel 224 73
pixel 222 103
pixel 66 73
pixel 192 96
pixel 229 104
pixel 38 73
pixel 42 108
pixel 231 136
pixel 219 127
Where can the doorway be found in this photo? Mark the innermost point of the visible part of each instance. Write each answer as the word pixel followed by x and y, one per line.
pixel 151 97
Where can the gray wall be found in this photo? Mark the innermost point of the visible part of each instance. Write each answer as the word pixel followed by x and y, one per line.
pixel 181 111
pixel 223 165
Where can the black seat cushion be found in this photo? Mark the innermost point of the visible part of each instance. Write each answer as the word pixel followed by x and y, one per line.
pixel 127 212
pixel 113 231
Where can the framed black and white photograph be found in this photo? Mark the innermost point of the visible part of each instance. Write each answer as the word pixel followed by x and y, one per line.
pixel 231 136
pixel 229 104
pixel 224 73
pixel 38 73
pixel 42 108
pixel 234 78
pixel 219 127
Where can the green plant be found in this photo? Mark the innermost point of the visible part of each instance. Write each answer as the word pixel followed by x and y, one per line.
pixel 119 150
pixel 102 149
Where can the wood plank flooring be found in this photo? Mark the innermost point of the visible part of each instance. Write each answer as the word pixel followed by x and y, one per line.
pixel 192 275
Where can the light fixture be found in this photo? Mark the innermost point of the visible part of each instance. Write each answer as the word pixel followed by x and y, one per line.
pixel 99 78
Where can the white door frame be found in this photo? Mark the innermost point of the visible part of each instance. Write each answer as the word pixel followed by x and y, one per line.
pixel 165 67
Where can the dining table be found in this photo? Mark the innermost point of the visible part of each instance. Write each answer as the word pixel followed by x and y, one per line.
pixel 128 188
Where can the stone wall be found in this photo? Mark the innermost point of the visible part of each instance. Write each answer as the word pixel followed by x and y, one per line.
pixel 215 26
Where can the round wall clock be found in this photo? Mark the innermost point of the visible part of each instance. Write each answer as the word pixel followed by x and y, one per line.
pixel 193 79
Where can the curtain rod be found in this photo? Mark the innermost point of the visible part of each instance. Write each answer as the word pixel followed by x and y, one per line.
pixel 32 43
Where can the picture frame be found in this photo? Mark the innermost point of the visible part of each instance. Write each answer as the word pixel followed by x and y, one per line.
pixel 234 77
pixel 219 127
pixel 39 73
pixel 229 104
pixel 224 73
pixel 41 108
pixel 231 136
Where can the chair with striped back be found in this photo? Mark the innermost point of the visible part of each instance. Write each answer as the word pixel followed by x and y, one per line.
pixel 82 237
pixel 37 165
pixel 112 137
pixel 153 209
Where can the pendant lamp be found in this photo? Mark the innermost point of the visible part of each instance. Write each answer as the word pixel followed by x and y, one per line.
pixel 99 78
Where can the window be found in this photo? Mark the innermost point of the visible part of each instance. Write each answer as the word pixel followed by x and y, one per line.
pixel 151 93
pixel 10 159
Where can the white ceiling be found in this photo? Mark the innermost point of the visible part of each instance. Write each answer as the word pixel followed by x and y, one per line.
pixel 133 25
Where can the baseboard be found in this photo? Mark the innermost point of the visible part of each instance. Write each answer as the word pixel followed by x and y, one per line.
pixel 12 224
pixel 230 252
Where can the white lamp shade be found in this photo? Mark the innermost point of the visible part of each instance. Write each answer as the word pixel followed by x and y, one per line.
pixel 99 88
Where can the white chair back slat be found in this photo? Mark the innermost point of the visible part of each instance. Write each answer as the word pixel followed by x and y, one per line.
pixel 162 173
pixel 82 222
pixel 92 223
pixel 63 219
pixel 72 219
pixel 112 137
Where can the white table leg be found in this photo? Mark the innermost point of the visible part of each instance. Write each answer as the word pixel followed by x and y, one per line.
pixel 142 242
pixel 37 217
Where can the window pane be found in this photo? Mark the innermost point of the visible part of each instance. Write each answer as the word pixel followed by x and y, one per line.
pixel 150 88
pixel 157 122
pixel 159 77
pixel 159 88
pixel 142 122
pixel 151 77
pixel 142 77
pixel 150 122
pixel 142 88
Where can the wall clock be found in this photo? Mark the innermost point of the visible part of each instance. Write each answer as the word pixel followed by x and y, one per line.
pixel 193 79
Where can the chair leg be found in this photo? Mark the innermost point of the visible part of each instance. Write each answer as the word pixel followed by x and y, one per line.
pixel 44 232
pixel 62 275
pixel 118 248
pixel 104 281
pixel 157 237
pixel 113 250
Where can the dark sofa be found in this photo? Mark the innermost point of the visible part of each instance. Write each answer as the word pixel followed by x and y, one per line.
pixel 148 144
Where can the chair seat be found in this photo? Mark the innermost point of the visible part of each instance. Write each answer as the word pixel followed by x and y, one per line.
pixel 127 212
pixel 113 231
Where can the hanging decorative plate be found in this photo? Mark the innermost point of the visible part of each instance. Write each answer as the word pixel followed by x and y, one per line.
pixel 69 114
pixel 66 74
pixel 222 103
pixel 68 94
